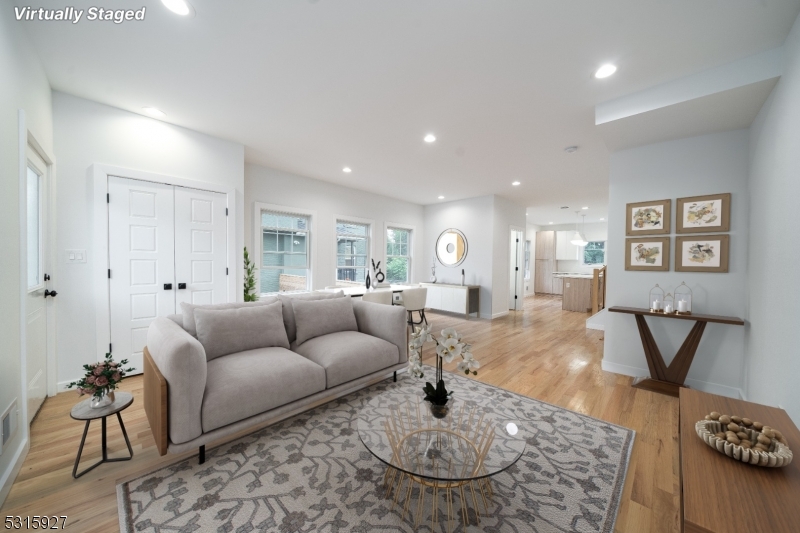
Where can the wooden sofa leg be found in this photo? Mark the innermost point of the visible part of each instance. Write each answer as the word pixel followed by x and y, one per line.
pixel 395 376
pixel 202 454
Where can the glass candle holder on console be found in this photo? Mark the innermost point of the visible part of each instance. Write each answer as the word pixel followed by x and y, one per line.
pixel 669 304
pixel 683 299
pixel 657 299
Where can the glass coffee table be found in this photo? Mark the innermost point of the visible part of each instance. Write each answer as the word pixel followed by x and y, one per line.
pixel 458 452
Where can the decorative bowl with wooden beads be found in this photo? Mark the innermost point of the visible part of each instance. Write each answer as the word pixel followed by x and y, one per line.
pixel 744 440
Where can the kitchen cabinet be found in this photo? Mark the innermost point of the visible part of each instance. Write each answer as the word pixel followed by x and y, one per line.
pixel 545 245
pixel 565 250
pixel 543 276
pixel 558 285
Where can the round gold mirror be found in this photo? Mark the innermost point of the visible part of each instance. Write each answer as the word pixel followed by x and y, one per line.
pixel 451 247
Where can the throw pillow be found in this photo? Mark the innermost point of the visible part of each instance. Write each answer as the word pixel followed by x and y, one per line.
pixel 320 317
pixel 190 324
pixel 224 331
pixel 288 310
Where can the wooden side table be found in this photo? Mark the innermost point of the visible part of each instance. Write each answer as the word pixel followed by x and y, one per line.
pixel 719 494
pixel 84 411
pixel 669 379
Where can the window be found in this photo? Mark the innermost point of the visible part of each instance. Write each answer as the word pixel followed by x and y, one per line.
pixel 285 265
pixel 34 237
pixel 352 251
pixel 527 259
pixel 398 255
pixel 594 253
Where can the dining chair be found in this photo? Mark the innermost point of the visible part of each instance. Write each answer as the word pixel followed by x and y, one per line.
pixel 378 297
pixel 414 301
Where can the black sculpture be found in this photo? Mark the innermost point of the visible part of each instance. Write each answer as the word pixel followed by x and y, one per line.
pixel 379 277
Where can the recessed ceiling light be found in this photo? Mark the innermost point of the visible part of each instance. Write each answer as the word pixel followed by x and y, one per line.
pixel 585 207
pixel 441 198
pixel 602 219
pixel 179 7
pixel 347 169
pixel 154 112
pixel 429 138
pixel 514 183
pixel 549 222
pixel 605 71
pixel 571 149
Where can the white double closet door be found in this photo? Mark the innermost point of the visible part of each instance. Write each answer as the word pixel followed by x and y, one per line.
pixel 167 245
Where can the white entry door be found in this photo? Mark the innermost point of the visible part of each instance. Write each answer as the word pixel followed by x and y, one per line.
pixel 141 234
pixel 38 293
pixel 201 238
pixel 515 275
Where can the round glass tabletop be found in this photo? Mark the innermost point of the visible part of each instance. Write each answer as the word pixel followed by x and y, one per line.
pixel 471 441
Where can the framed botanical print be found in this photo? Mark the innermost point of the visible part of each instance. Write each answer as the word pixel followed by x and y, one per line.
pixel 647 253
pixel 648 218
pixel 701 253
pixel 704 214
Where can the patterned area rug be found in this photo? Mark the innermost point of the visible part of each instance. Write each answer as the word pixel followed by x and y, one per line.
pixel 312 473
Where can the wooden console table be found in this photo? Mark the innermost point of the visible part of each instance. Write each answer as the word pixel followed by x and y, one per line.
pixel 719 494
pixel 669 379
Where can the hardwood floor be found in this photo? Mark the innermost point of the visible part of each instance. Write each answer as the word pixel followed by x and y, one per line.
pixel 541 352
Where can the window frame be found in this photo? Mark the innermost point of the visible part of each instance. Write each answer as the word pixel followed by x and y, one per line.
pixel 605 253
pixel 410 229
pixel 258 209
pixel 526 258
pixel 370 243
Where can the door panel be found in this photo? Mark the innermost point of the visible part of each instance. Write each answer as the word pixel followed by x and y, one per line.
pixel 141 233
pixel 201 255
pixel 35 302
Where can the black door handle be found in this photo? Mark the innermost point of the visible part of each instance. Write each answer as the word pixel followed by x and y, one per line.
pixel 168 286
pixel 47 277
pixel 181 286
pixel 52 294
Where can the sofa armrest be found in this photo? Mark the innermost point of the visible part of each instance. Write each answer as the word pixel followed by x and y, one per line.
pixel 181 360
pixel 387 322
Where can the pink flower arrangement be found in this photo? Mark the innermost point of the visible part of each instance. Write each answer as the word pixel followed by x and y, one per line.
pixel 101 377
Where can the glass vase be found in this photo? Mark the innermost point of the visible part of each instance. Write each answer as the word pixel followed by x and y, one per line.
pixel 103 401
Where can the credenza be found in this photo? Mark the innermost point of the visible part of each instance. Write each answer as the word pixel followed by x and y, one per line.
pixel 453 298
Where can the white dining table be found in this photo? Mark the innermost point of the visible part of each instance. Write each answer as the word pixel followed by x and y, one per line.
pixel 357 292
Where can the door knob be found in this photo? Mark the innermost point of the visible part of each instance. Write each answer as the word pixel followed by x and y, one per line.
pixel 181 286
pixel 50 293
pixel 168 286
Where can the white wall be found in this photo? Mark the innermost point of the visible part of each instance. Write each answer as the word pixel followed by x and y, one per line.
pixel 707 164
pixel 506 214
pixel 327 200
pixel 772 363
pixel 23 85
pixel 474 217
pixel 85 133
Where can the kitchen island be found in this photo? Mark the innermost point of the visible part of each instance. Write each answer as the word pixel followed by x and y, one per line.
pixel 577 287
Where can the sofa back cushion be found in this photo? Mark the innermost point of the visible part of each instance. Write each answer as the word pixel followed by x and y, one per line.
pixel 321 317
pixel 288 310
pixel 225 331
pixel 190 324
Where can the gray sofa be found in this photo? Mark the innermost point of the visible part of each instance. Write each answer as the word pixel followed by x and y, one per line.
pixel 205 381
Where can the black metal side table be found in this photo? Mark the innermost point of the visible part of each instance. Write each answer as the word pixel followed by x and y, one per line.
pixel 84 411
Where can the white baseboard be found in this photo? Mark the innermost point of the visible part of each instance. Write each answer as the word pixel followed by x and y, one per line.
pixel 500 314
pixel 705 386
pixel 13 469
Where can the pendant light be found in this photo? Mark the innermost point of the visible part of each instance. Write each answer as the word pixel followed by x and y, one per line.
pixel 577 238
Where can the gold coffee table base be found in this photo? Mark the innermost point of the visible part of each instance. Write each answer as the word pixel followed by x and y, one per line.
pixel 394 482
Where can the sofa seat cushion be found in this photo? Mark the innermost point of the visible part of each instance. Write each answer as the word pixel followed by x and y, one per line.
pixel 348 355
pixel 248 383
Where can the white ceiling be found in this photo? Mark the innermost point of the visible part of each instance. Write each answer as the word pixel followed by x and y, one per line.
pixel 312 86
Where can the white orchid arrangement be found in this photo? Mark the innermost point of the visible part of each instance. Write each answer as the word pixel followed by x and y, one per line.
pixel 448 348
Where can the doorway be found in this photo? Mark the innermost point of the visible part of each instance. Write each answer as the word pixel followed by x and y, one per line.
pixel 38 295
pixel 167 245
pixel 516 274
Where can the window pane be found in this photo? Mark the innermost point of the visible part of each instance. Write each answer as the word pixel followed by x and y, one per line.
pixel 350 228
pixel 284 221
pixel 397 269
pixel 594 253
pixel 283 280
pixel 34 276
pixel 358 275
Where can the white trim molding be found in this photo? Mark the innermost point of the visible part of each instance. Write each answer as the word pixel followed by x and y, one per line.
pixel 98 174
